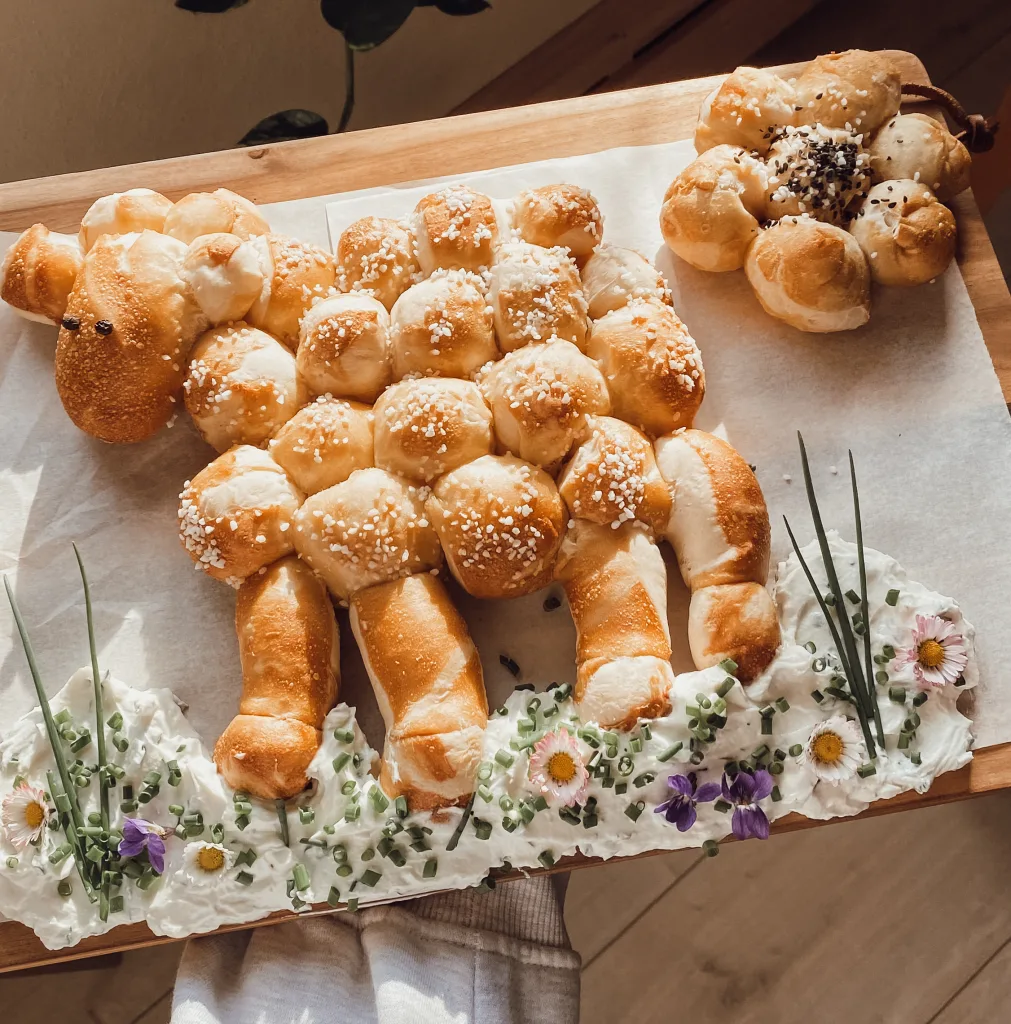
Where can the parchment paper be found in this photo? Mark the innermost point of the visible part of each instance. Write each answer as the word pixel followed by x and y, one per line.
pixel 913 394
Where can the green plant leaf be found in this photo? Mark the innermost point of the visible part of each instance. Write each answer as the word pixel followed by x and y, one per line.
pixel 457 7
pixel 366 23
pixel 284 126
pixel 209 6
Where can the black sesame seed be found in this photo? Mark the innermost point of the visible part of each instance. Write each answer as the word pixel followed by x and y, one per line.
pixel 71 323
pixel 551 603
pixel 103 327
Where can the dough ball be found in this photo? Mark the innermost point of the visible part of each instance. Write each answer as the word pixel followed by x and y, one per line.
pixel 744 110
pixel 559 215
pixel 856 89
pixel 206 213
pixel 224 274
pixel 916 147
pixel 378 255
pixel 122 213
pixel 455 229
pixel 38 273
pixel 613 275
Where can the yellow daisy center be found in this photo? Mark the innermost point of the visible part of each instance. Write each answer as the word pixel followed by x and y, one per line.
pixel 561 767
pixel 827 748
pixel 930 654
pixel 35 814
pixel 210 858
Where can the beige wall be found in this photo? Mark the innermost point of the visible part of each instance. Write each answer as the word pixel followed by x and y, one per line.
pixel 89 83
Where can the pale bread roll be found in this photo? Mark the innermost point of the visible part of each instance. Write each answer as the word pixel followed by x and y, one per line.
pixel 652 366
pixel 38 273
pixel 240 386
pixel 540 397
pixel 744 109
pixel 132 321
pixel 559 215
pixel 294 275
pixel 907 236
pixel 427 426
pixel 719 524
pixel 369 529
pixel 235 515
pixel 500 521
pixel 613 275
pixel 536 295
pixel 344 347
pixel 324 443
pixel 442 327
pixel 612 478
pixel 207 213
pixel 124 213
pixel 812 275
pixel 711 210
pixel 616 583
pixel 380 256
pixel 919 148
pixel 224 274
pixel 289 650
pixel 736 621
pixel 455 229
pixel 427 677
pixel 855 88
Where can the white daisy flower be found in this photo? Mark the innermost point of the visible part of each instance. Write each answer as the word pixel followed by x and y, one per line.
pixel 206 863
pixel 938 652
pixel 557 769
pixel 24 815
pixel 835 749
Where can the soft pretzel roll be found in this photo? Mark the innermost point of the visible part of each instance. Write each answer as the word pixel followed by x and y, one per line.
pixel 344 347
pixel 612 478
pixel 907 236
pixel 559 215
pixel 536 295
pixel 736 621
pixel 744 109
pixel 613 275
pixel 38 273
pixel 917 147
pixel 616 584
pixel 455 229
pixel 810 274
pixel 324 443
pixel 378 255
pixel 130 323
pixel 427 678
pixel 369 529
pixel 240 387
pixel 540 397
pixel 206 213
pixel 652 366
pixel 235 515
pixel 427 426
pixel 290 655
pixel 719 523
pixel 294 274
pixel 500 521
pixel 711 210
pixel 442 327
pixel 854 88
pixel 123 213
pixel 224 274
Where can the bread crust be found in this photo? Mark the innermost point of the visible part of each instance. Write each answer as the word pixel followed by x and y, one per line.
pixel 855 88
pixel 39 271
pixel 380 256
pixel 136 210
pixel 736 621
pixel 455 229
pixel 919 148
pixel 744 109
pixel 559 215
pixel 267 757
pixel 206 213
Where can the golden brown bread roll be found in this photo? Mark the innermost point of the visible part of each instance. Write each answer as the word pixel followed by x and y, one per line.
pixel 812 275
pixel 290 654
pixel 540 397
pixel 744 109
pixel 240 387
pixel 378 255
pixel 427 678
pixel 616 584
pixel 344 347
pixel 130 324
pixel 907 236
pixel 711 210
pixel 719 524
pixel 612 478
pixel 455 229
pixel 369 529
pixel 427 426
pixel 613 275
pixel 652 366
pixel 224 274
pixel 206 213
pixel 536 295
pixel 916 147
pixel 855 88
pixel 123 213
pixel 324 443
pixel 38 273
pixel 736 621
pixel 500 521
pixel 563 215
pixel 235 515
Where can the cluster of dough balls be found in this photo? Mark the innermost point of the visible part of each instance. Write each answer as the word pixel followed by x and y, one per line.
pixel 817 186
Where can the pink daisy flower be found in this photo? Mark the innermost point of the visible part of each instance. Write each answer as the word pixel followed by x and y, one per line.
pixel 938 653
pixel 557 769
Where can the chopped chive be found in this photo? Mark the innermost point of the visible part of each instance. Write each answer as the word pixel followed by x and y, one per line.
pixel 634 810
pixel 509 824
pixel 344 735
pixel 673 749
pixel 400 804
pixel 547 858
pixel 866 770
pixel 379 800
pixel 782 704
pixel 482 829
pixel 635 745
pixel 776 794
pixel 852 596
pixel 766 725
pixel 370 877
pixel 352 904
pixel 796 750
pixel 892 598
pixel 729 666
pixel 344 870
pixel 349 787
pixel 608 782
pixel 120 742
pixel 621 788
pixel 779 755
pixel 643 780
pixel 897 694
pixel 829 599
pixel 888 651
pixel 333 896
pixel 818 696
pixel 562 693
pixel 811 647
pixel 340 761
pixel 64 888
pixel 904 741
pixel 241 821
pixel 246 857
pixel 725 687
pixel 776 768
pixel 711 848
pixel 454 839
pixel 759 752
pixel 504 758
pixel 484 771
pixel 397 857
pixel 368 854
pixel 920 699
pixel 301 877
pixel 306 815
pixel 915 757
pixel 722 806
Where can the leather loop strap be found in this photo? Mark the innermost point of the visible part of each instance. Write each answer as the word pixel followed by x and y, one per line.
pixel 977 132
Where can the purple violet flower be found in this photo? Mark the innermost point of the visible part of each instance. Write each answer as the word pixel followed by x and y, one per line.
pixel 744 791
pixel 140 835
pixel 685 794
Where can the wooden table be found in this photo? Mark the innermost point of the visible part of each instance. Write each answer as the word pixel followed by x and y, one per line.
pixel 457 145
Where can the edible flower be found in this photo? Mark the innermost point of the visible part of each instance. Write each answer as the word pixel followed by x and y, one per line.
pixel 206 861
pixel 744 791
pixel 938 653
pixel 557 768
pixel 685 795
pixel 834 749
pixel 140 835
pixel 24 815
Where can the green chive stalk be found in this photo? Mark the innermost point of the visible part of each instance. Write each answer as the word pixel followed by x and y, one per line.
pixel 75 842
pixel 282 817
pixel 454 839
